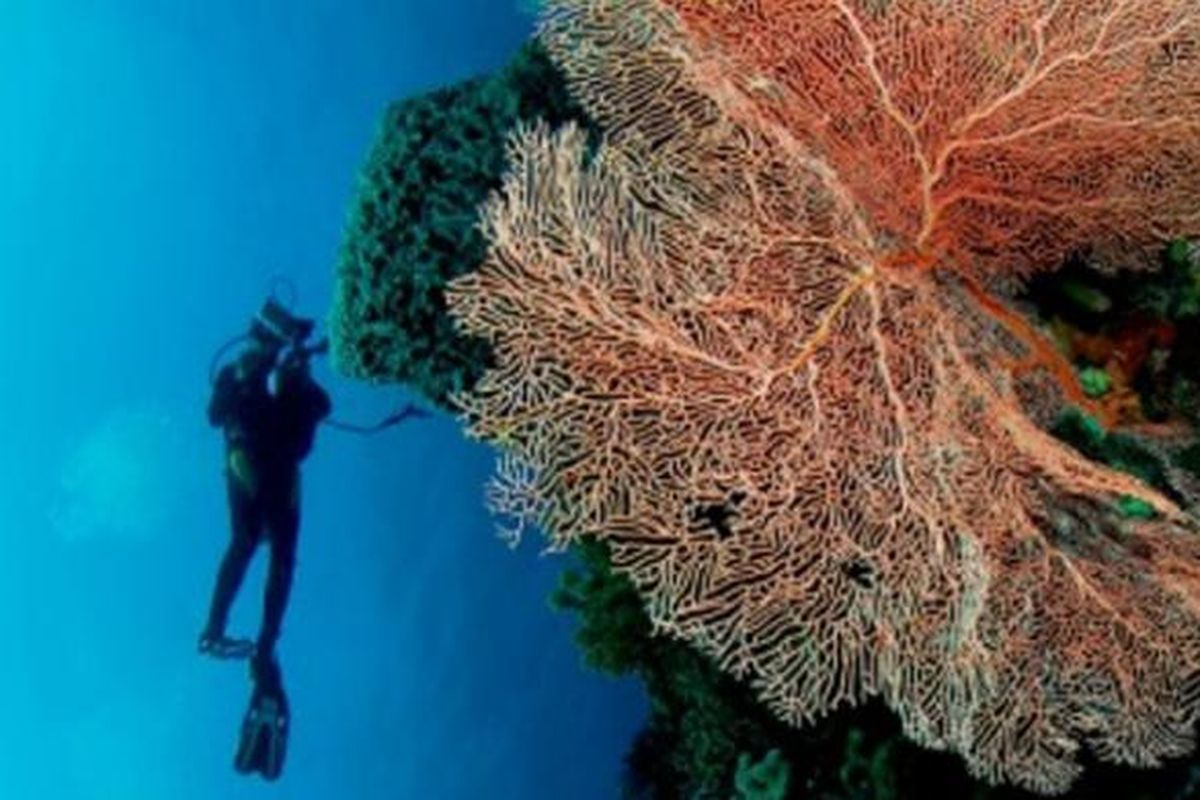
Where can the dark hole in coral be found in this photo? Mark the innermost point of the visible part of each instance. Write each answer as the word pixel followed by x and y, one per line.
pixel 716 516
pixel 860 571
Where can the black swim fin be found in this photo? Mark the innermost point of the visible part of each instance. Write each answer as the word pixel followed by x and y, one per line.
pixel 263 744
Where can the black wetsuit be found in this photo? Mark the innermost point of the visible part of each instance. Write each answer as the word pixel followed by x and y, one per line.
pixel 267 436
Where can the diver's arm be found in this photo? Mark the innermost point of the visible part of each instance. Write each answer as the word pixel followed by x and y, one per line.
pixel 297 379
pixel 315 400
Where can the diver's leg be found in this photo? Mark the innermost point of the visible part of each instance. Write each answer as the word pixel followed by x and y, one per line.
pixel 246 522
pixel 283 522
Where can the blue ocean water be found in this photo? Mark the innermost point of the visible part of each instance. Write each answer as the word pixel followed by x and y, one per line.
pixel 159 163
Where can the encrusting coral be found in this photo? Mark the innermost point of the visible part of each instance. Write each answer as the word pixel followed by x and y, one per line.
pixel 755 343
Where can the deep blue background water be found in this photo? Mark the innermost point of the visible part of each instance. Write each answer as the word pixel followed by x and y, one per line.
pixel 159 162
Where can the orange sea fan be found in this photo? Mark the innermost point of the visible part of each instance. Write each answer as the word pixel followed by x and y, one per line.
pixel 753 343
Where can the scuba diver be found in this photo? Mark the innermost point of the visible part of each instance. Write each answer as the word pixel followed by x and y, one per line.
pixel 268 406
pixel 267 434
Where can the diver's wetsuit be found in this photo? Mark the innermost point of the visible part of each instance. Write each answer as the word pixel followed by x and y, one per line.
pixel 267 436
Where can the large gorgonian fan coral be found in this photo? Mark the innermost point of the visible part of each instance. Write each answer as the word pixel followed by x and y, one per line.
pixel 753 342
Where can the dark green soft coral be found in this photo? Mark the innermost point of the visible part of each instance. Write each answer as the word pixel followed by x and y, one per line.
pixel 412 226
pixel 763 780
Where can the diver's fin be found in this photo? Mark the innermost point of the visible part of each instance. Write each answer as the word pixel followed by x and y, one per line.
pixel 263 744
pixel 225 647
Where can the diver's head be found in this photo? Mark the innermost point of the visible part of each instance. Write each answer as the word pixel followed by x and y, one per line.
pixel 272 330
pixel 283 324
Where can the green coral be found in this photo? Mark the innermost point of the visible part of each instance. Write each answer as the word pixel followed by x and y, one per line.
pixel 1134 507
pixel 1183 280
pixel 613 632
pixel 412 226
pixel 868 772
pixel 1096 382
pixel 1087 297
pixel 764 780
pixel 1171 294
pixel 1178 253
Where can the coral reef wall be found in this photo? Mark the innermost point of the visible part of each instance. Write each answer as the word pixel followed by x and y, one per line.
pixel 414 226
